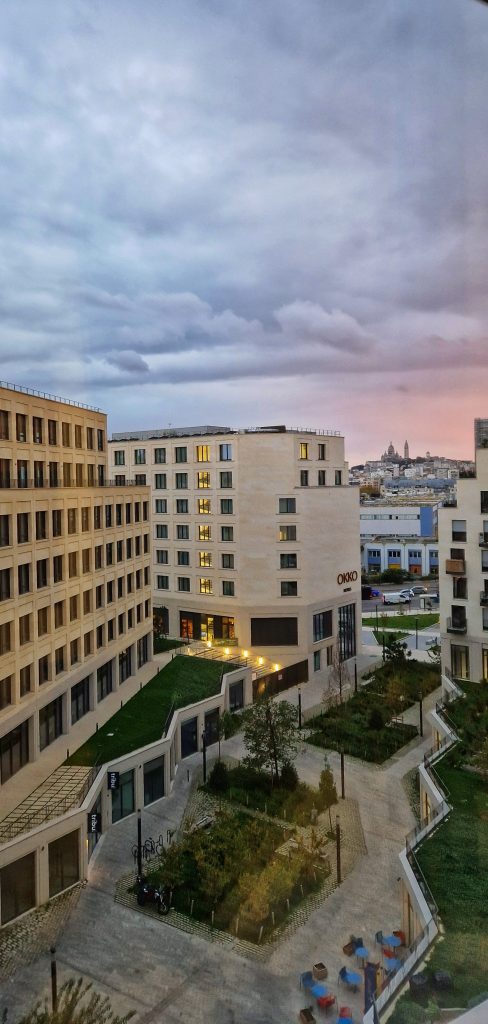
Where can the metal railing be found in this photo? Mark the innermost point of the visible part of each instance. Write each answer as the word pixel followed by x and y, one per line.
pixel 44 394
pixel 457 625
pixel 11 484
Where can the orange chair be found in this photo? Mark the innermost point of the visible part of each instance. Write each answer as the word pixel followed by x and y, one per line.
pixel 388 953
pixel 400 935
pixel 345 1012
pixel 326 1002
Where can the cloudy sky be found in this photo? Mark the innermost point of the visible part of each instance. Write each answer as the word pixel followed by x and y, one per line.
pixel 247 213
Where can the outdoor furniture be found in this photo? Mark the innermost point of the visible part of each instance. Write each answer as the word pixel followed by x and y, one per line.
pixel 344 1012
pixel 392 964
pixel 319 971
pixel 349 947
pixel 442 981
pixel 379 938
pixel 400 935
pixel 319 990
pixel 388 953
pixel 362 953
pixel 392 940
pixel 419 987
pixel 306 1016
pixel 326 1002
pixel 357 944
pixel 350 978
pixel 306 980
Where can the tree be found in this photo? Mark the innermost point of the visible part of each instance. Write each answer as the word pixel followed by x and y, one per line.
pixel 396 652
pixel 395 694
pixel 339 677
pixel 76 1005
pixel 434 652
pixel 480 760
pixel 271 735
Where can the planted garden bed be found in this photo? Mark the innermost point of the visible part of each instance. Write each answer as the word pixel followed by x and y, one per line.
pixel 255 790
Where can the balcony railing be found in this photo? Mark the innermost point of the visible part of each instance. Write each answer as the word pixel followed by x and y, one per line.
pixel 455 566
pixel 31 484
pixel 483 541
pixel 456 625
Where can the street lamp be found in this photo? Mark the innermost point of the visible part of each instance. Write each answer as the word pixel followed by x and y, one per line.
pixel 421 717
pixel 416 634
pixel 204 752
pixel 299 707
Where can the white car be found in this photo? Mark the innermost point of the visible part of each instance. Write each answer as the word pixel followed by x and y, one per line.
pixel 399 597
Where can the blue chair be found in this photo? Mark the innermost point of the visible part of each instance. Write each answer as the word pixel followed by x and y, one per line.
pixel 379 938
pixel 343 975
pixel 307 980
pixel 358 943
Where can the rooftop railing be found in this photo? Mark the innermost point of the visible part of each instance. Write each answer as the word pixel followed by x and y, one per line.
pixel 44 394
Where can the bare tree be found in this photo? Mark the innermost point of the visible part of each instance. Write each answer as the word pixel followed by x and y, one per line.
pixel 339 678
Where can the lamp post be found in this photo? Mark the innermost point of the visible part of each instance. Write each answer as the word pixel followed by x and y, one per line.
pixel 338 849
pixel 355 677
pixel 139 845
pixel 204 753
pixel 343 786
pixel 421 717
pixel 299 707
pixel 416 634
pixel 376 612
pixel 54 980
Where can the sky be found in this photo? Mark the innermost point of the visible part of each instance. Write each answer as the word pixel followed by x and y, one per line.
pixel 249 213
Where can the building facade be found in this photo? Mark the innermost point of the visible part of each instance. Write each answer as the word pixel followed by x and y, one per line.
pixel 399 536
pixel 255 539
pixel 463 557
pixel 75 555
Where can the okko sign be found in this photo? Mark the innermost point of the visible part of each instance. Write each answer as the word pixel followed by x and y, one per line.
pixel 347 577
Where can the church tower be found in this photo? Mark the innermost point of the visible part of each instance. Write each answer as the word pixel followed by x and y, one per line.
pixel 406 452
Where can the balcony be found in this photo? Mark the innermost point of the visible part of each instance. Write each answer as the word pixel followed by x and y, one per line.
pixel 483 541
pixel 484 599
pixel 455 566
pixel 457 625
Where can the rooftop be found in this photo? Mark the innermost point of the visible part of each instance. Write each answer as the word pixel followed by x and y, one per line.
pixel 205 430
pixel 47 397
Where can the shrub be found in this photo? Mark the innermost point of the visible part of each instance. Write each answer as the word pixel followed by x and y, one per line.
pixel 219 778
pixel 376 720
pixel 289 776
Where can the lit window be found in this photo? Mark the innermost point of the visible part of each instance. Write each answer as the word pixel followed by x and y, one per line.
pixel 205 558
pixel 203 453
pixel 203 506
pixel 205 532
pixel 203 480
pixel 303 450
pixel 205 585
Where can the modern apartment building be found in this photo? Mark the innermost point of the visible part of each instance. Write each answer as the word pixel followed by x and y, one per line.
pixel 463 573
pixel 255 540
pixel 399 535
pixel 75 594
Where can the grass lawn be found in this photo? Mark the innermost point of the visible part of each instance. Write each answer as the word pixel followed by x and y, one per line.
pixel 454 861
pixel 390 634
pixel 183 681
pixel 402 621
pixel 166 643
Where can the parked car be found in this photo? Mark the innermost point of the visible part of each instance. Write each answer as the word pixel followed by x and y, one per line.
pixel 418 589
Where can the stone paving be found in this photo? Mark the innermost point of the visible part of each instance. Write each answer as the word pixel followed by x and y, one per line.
pixel 23 941
pixel 165 974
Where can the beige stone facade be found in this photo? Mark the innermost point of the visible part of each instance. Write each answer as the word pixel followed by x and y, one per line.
pixel 463 576
pixel 255 538
pixel 75 595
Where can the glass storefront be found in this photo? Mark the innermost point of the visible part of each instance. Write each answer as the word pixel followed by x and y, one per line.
pixel 196 626
pixel 236 695
pixel 14 751
pixel 64 862
pixel 18 887
pixel 153 780
pixel 347 631
pixel 50 722
pixel 123 797
pixel 80 700
pixel 125 664
pixel 104 681
pixel 212 726
pixel 189 737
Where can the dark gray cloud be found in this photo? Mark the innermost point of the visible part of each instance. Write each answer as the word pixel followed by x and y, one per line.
pixel 193 196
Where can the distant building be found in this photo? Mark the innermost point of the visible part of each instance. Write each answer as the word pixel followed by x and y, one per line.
pixel 406 451
pixel 399 536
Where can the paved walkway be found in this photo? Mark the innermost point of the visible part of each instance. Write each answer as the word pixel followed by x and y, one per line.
pixel 164 974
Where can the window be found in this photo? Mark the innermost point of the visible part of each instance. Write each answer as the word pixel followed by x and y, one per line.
pixel 57 568
pixel 44 670
pixel 287 506
pixel 347 631
pixel 484 502
pixel 23 577
pixel 4 425
pixel 321 452
pixel 121 623
pixel 80 700
pixel 183 583
pixel 304 478
pixel 85 519
pixel 460 587
pixel 321 478
pixel 87 644
pixel 21 425
pixel 99 596
pixel 459 529
pixel 66 435
pixel 5 638
pixel 228 588
pixel 205 558
pixel 110 591
pixel 484 561
pixel 110 630
pixel 41 572
pixel 108 516
pixel 288 561
pixel 5 465
pixel 104 682
pixel 161 557
pixel 109 554
pixel 79 474
pixel 53 474
pixel 74 652
pixel 100 440
pixel 316 661
pixel 78 436
pixel 225 452
pixel 206 586
pixel 140 456
pixel 25 680
pixel 322 626
pixel 227 561
pixel 203 453
pixel 338 477
pixel 180 455
pixel 22 478
pixel 162 582
pixel 289 588
pixel 227 533
pixel 50 722
pixel 42 622
pixel 5 584
pixel 119 479
pixel 86 560
pixel 160 456
pixel 38 474
pixel 161 506
pixel 99 557
pixel 145 511
pixel 23 528
pixel 203 480
pixel 72 564
pixel 97 517
pixel 58 614
pixel 87 602
pixel 182 532
pixel 181 481
pixel 162 531
pixel 99 636
pixel 226 506
pixel 52 431
pixel 140 479
pixel 203 506
pixel 128 547
pixel 226 479
pixel 303 450
pixel 119 458
pixel 183 557
pixel 4 531
pixel 460 661
pixel 24 629
pixel 72 517
pixel 120 586
pixel 181 506
pixel 160 481
pixel 73 608
pixel 287 533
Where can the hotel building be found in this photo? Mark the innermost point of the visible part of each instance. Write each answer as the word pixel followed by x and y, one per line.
pixel 255 540
pixel 463 571
pixel 75 595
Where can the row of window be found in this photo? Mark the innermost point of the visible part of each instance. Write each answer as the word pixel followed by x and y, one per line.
pixel 205 585
pixel 459 528
pixel 305 450
pixel 203 480
pixel 179 454
pixel 62 522
pixel 204 558
pixel 35 429
pixel 286 534
pixel 321 478
pixel 46 574
pixel 67 655
pixel 115 589
pixel 51 474
pixel 203 506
